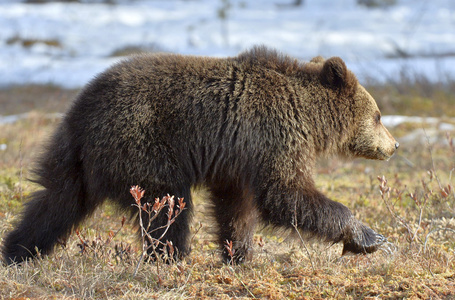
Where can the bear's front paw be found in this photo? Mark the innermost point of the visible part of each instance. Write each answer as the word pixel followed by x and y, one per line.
pixel 363 240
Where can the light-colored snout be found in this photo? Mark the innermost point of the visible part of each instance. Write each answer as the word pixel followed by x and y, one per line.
pixel 388 144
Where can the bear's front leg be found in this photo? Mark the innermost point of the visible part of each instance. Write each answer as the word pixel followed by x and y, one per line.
pixel 362 239
pixel 317 216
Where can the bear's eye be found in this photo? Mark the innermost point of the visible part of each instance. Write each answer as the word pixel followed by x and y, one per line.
pixel 377 117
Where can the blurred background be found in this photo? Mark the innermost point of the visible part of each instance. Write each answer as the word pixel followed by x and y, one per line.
pixel 66 43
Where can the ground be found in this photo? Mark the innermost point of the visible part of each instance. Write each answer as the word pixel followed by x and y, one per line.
pixel 412 203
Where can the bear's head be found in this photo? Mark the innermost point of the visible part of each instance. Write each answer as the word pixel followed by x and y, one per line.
pixel 366 136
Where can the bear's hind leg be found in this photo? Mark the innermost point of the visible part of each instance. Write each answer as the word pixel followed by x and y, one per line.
pixel 236 215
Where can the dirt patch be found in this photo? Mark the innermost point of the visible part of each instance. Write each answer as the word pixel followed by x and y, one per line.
pixel 43 98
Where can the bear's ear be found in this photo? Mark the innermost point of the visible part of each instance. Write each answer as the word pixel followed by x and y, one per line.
pixel 334 73
pixel 317 60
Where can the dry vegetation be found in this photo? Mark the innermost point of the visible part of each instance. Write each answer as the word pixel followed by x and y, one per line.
pixel 413 205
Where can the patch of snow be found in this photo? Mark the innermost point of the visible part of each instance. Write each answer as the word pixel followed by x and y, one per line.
pixel 446 127
pixel 435 133
pixel 86 35
pixel 14 118
pixel 395 120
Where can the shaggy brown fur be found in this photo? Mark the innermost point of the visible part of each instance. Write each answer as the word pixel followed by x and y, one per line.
pixel 248 127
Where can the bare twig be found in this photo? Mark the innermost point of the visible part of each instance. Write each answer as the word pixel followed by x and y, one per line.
pixel 432 160
pixel 433 231
pixel 294 224
pixel 20 167
pixel 385 195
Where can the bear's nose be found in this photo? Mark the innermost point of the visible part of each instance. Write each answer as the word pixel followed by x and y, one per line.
pixel 397 145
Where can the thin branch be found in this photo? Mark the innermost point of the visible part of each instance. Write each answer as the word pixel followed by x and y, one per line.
pixel 432 160
pixel 294 224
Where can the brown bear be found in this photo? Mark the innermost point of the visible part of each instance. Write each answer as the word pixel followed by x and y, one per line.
pixel 249 128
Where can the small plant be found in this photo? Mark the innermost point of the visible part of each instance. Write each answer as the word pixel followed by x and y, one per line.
pixel 99 246
pixel 231 251
pixel 152 210
pixel 432 191
pixel 420 202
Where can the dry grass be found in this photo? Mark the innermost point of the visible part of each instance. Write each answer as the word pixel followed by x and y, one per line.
pixel 22 99
pixel 416 211
pixel 415 95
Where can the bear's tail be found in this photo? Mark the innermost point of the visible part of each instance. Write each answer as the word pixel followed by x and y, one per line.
pixel 52 212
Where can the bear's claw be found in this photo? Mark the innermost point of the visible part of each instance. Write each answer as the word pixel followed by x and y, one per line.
pixel 368 241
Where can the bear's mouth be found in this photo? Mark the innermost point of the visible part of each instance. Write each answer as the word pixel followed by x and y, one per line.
pixel 386 156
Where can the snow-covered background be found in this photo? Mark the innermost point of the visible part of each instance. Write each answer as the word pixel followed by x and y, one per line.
pixel 68 43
